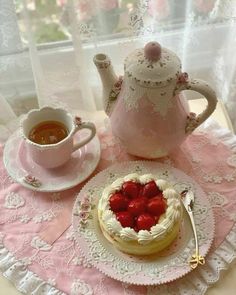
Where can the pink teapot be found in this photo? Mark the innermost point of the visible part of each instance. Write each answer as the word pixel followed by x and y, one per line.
pixel 148 113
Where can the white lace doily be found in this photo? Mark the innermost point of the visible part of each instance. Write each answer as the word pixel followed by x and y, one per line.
pixel 194 283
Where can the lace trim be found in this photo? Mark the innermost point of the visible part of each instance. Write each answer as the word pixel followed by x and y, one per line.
pixel 199 281
pixel 23 279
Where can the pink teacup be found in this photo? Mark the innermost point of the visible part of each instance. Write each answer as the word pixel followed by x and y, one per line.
pixel 54 155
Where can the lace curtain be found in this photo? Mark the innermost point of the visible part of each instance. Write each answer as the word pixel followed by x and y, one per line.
pixel 46 47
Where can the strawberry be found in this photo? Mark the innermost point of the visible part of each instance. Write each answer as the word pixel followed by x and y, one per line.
pixel 156 206
pixel 156 218
pixel 118 202
pixel 131 189
pixel 125 219
pixel 140 194
pixel 151 189
pixel 145 221
pixel 136 229
pixel 137 206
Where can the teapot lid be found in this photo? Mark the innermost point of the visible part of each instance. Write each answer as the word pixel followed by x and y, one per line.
pixel 153 65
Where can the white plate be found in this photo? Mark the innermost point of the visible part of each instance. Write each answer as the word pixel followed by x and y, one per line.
pixel 161 268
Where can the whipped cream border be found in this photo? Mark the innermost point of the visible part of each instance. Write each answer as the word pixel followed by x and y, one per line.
pixel 157 232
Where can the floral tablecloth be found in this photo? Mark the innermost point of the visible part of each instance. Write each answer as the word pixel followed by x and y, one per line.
pixel 38 266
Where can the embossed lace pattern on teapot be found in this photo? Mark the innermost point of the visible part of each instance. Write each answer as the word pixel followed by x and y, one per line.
pixel 160 98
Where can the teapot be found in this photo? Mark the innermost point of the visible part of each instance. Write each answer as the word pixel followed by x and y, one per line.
pixel 149 115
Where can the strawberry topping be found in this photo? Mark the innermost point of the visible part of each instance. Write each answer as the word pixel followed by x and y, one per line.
pixel 131 189
pixel 125 219
pixel 156 206
pixel 118 202
pixel 137 206
pixel 150 190
pixel 145 221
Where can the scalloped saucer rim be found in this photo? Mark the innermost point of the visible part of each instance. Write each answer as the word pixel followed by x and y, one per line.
pixel 22 168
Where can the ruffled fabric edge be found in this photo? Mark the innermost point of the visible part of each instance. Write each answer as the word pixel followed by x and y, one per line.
pixel 222 134
pixel 198 281
pixel 23 279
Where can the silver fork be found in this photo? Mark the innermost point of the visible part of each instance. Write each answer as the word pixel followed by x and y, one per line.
pixel 188 201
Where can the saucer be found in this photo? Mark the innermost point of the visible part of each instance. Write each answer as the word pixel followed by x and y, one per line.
pixel 25 171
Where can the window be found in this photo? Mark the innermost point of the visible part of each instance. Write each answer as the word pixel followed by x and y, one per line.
pixel 196 30
pixel 111 19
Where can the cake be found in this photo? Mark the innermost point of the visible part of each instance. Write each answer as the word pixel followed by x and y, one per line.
pixel 140 215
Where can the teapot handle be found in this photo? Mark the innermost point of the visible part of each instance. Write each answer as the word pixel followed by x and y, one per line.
pixel 193 120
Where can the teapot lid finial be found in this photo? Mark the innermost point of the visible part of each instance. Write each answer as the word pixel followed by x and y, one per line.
pixel 152 66
pixel 152 51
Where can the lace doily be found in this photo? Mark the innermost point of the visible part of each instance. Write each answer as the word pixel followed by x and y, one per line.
pixel 34 265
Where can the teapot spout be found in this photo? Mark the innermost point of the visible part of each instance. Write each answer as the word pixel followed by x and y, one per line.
pixel 108 78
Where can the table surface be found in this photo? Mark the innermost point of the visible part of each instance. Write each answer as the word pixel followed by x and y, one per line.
pixel 227 282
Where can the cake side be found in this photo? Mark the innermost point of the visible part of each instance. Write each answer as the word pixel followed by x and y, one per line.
pixel 133 248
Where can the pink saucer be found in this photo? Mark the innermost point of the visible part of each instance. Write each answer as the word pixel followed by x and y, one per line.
pixel 26 172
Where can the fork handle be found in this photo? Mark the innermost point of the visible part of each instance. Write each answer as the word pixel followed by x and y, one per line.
pixel 196 257
pixel 194 230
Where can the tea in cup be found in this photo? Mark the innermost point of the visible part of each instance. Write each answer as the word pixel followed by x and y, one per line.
pixel 48 133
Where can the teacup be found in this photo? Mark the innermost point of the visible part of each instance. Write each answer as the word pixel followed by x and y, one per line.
pixel 53 155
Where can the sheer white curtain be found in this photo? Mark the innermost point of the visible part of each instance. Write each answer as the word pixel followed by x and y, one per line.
pixel 38 68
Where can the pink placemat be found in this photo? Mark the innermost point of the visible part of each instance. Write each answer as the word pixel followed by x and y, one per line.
pixel 42 258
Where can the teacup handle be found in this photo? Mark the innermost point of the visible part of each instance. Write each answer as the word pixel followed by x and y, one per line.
pixel 84 125
pixel 193 120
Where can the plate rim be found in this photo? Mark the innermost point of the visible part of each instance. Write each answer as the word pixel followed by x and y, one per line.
pixel 96 265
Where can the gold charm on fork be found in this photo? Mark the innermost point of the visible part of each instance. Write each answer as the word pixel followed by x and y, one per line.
pixel 195 260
